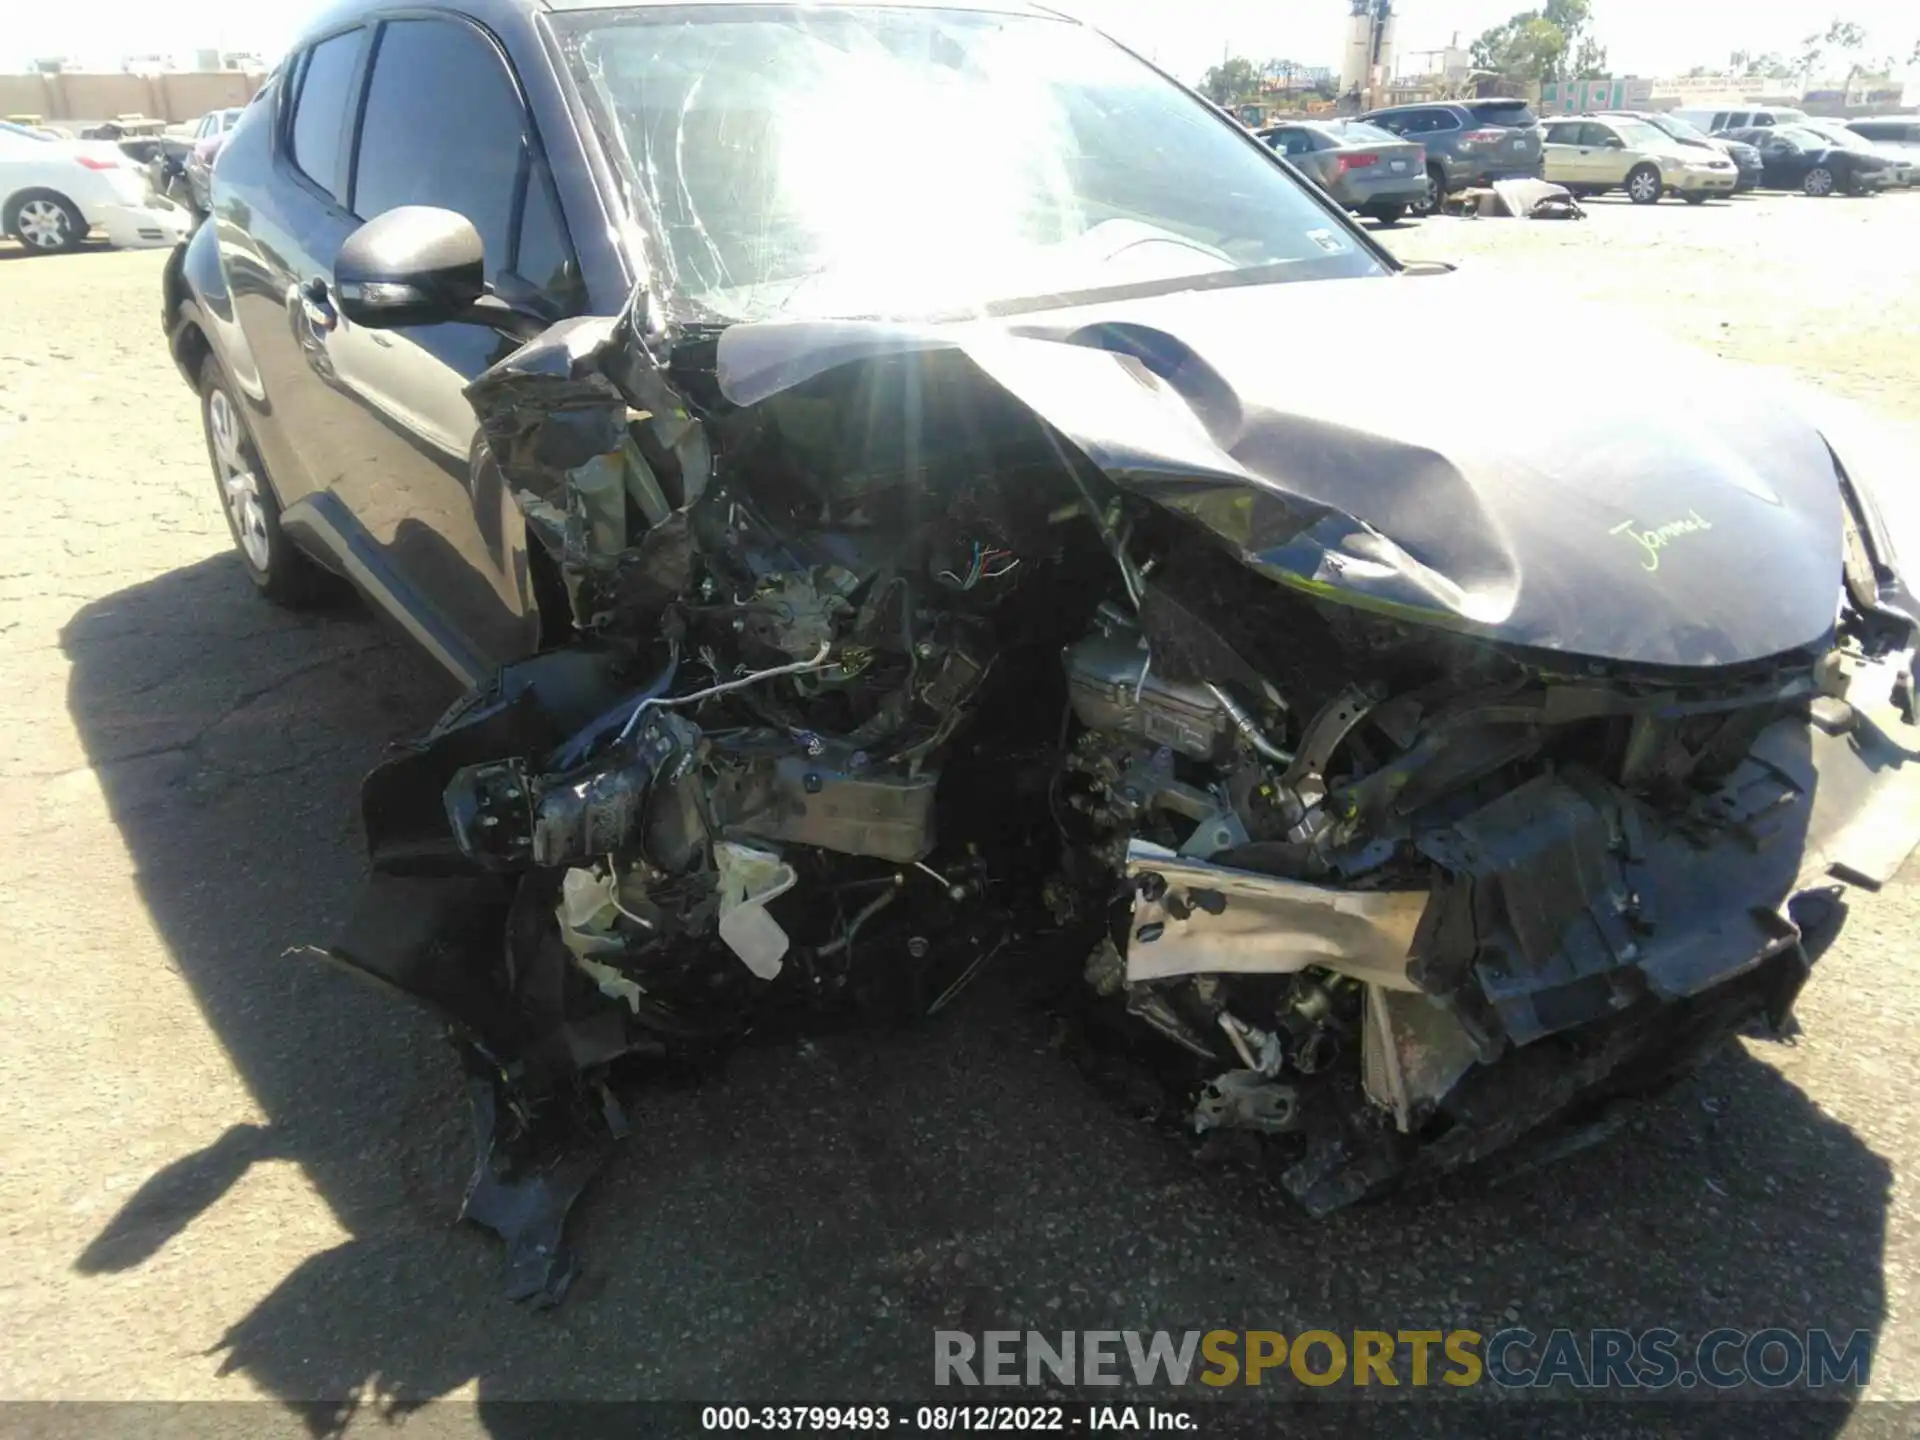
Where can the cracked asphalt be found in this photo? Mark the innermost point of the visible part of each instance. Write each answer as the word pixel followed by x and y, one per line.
pixel 227 1173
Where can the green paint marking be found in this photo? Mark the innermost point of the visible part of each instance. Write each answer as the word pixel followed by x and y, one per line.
pixel 1652 542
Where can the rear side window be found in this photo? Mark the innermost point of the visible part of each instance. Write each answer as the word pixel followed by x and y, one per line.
pixel 320 111
pixel 1563 134
pixel 1763 120
pixel 443 126
pixel 1514 114
pixel 1292 142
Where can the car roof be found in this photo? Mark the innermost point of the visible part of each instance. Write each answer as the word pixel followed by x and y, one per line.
pixel 997 7
pixel 345 13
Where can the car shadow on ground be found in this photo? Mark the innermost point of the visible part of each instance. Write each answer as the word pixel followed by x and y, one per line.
pixel 798 1226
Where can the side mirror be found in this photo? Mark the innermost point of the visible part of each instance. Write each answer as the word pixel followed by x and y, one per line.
pixel 414 265
pixel 1614 142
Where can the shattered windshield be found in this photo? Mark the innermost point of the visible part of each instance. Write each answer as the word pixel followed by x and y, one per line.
pixel 807 162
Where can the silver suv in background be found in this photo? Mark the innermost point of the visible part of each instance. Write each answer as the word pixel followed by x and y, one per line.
pixel 1714 119
pixel 1468 142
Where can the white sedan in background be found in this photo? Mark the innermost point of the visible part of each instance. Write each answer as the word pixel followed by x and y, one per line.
pixel 54 191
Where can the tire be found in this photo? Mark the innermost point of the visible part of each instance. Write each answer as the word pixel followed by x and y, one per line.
pixel 273 563
pixel 1817 181
pixel 1698 198
pixel 45 221
pixel 1387 214
pixel 1643 185
pixel 1436 190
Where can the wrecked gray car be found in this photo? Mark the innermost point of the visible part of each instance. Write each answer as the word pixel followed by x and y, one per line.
pixel 943 571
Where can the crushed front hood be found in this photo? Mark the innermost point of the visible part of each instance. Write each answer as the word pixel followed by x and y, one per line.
pixel 1599 496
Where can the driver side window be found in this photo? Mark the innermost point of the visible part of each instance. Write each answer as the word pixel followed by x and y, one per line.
pixel 444 126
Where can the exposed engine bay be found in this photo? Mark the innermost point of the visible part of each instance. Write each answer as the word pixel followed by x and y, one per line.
pixel 879 680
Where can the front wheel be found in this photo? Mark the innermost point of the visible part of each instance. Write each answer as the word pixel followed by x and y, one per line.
pixel 1643 185
pixel 1819 181
pixel 46 222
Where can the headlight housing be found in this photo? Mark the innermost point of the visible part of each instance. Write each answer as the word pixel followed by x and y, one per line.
pixel 1875 459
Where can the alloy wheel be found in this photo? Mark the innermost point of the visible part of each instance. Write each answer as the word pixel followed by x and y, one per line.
pixel 239 485
pixel 44 225
pixel 1644 187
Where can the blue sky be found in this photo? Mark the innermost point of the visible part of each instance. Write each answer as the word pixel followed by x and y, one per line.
pixel 1646 37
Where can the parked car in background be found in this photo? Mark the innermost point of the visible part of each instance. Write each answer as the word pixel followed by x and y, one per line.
pixel 1367 169
pixel 165 158
pixel 53 192
pixel 124 127
pixel 1750 117
pixel 1893 135
pixel 1468 142
pixel 1593 154
pixel 1902 172
pixel 208 139
pixel 167 172
pixel 1746 159
pixel 1800 159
